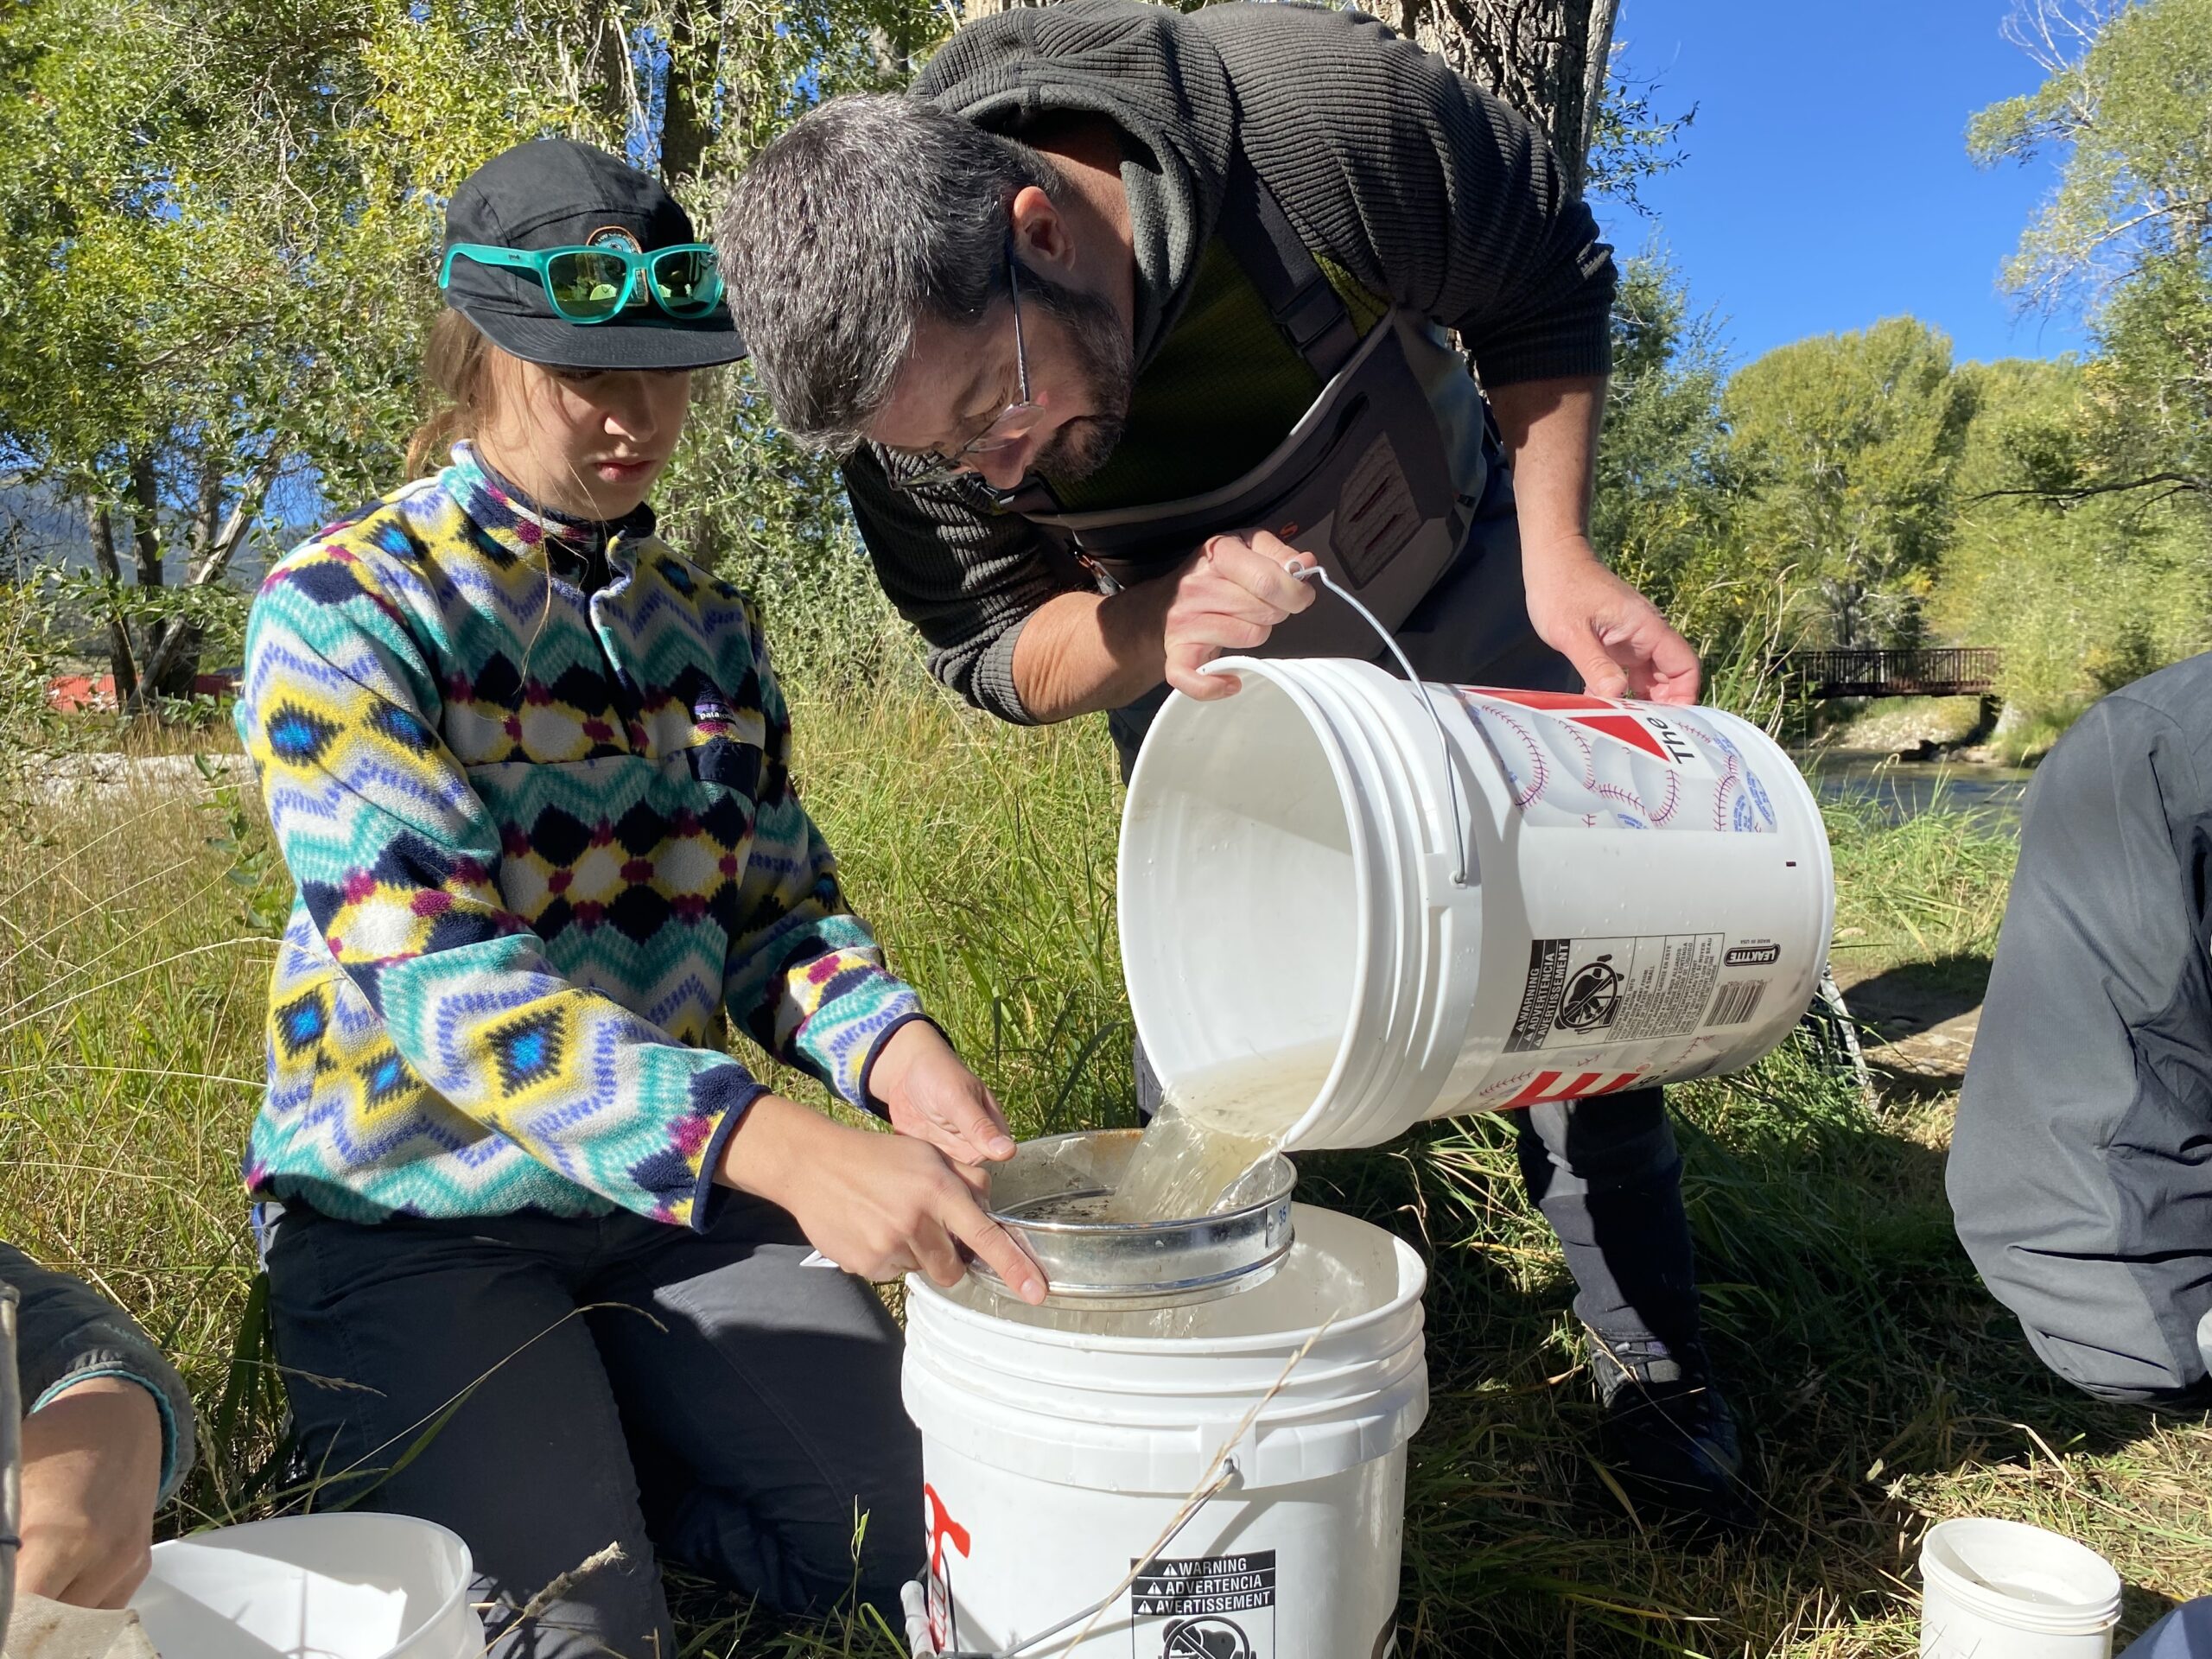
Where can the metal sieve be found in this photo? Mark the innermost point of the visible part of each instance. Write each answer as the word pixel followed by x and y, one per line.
pixel 1039 1195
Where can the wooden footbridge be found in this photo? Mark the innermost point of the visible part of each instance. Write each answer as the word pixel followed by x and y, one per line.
pixel 1932 671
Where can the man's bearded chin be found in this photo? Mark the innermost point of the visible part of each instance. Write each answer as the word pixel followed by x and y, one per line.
pixel 1081 448
pixel 1102 354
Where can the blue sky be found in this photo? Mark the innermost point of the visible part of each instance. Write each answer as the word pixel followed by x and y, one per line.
pixel 1826 183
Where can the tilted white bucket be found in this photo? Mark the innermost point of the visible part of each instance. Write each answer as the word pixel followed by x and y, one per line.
pixel 1647 896
pixel 1055 1458
pixel 2005 1590
pixel 312 1586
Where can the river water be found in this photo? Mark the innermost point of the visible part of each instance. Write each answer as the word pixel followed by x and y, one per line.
pixel 1905 789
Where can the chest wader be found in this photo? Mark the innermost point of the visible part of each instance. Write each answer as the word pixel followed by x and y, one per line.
pixel 1391 479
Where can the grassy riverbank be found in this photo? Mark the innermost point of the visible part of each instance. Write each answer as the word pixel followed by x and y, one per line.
pixel 1881 1388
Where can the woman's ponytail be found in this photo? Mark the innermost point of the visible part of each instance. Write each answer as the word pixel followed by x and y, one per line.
pixel 457 372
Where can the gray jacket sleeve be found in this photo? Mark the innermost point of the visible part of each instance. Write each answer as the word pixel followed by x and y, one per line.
pixel 2081 1171
pixel 966 577
pixel 67 1332
pixel 1428 189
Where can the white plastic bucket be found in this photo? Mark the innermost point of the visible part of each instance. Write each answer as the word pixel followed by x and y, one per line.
pixel 1647 896
pixel 1055 1458
pixel 314 1586
pixel 2004 1589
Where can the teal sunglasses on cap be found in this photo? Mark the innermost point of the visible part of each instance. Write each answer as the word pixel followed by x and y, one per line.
pixel 595 284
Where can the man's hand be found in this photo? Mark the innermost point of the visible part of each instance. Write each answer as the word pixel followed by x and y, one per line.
pixel 933 1096
pixel 1615 636
pixel 91 1471
pixel 1228 599
pixel 1082 653
pixel 878 1205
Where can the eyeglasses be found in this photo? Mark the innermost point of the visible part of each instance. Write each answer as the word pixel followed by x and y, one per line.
pixel 595 284
pixel 1015 423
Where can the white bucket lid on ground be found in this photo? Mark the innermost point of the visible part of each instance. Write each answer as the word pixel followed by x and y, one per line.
pixel 316 1587
pixel 2005 1590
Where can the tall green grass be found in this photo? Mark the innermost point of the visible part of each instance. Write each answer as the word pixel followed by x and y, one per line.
pixel 1881 1385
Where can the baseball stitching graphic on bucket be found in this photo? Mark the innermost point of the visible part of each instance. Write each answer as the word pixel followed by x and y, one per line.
pixel 1600 763
pixel 1572 761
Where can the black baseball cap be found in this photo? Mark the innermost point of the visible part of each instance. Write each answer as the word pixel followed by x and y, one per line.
pixel 555 193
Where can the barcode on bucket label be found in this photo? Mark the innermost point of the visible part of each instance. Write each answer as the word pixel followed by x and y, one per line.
pixel 1736 1002
pixel 1584 991
pixel 1205 1607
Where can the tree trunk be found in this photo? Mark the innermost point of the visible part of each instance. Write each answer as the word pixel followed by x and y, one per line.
pixel 686 125
pixel 105 560
pixel 146 538
pixel 610 89
pixel 1547 59
pixel 173 665
pixel 172 657
pixel 145 521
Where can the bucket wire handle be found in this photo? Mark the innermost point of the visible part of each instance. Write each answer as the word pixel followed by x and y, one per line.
pixel 1218 1477
pixel 1197 1501
pixel 1315 573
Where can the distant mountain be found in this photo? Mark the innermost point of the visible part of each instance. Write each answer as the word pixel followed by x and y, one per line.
pixel 37 528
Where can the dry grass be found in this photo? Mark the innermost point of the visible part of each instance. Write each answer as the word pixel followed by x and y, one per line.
pixel 1882 1387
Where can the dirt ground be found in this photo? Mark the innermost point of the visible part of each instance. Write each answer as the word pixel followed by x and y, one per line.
pixel 1917 1022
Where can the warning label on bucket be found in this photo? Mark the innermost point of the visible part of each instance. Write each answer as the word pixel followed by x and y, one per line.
pixel 1207 1607
pixel 1579 992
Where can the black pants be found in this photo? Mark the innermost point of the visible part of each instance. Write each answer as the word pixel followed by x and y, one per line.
pixel 712 1397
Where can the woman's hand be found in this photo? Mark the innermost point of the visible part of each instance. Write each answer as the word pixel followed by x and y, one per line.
pixel 1615 636
pixel 1228 599
pixel 930 1094
pixel 91 1471
pixel 878 1205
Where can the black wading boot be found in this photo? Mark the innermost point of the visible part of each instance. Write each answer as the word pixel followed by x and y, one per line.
pixel 1667 1434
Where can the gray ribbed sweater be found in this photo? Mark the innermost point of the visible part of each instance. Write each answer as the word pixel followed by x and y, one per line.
pixel 1423 187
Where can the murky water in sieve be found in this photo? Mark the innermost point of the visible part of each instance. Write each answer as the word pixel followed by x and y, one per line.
pixel 1071 1206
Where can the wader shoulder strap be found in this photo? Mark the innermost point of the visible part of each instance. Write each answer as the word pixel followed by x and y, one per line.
pixel 1310 313
pixel 1298 296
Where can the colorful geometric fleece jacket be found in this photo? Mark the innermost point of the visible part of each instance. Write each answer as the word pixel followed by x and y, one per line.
pixel 531 780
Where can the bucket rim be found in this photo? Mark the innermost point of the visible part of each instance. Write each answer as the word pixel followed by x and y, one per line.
pixel 2098 1612
pixel 457 1596
pixel 1364 878
pixel 1411 1290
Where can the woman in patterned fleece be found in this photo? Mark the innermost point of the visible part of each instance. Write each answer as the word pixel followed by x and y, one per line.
pixel 529 771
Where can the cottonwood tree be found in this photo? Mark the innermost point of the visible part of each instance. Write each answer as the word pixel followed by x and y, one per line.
pixel 2126 239
pixel 2082 594
pixel 1665 477
pixel 219 225
pixel 1548 59
pixel 1844 448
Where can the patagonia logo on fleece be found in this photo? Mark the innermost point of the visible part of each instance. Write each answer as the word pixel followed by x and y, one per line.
pixel 712 714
